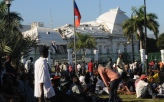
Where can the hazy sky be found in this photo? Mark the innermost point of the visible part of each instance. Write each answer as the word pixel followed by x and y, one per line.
pixel 62 10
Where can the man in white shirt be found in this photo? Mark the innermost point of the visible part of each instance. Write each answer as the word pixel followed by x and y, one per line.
pixel 143 89
pixel 120 64
pixel 43 86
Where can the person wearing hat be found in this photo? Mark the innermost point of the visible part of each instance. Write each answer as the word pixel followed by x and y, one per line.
pixel 143 89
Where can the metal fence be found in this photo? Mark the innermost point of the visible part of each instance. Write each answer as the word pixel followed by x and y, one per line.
pixel 103 58
pixel 59 58
pixel 136 56
pixel 156 56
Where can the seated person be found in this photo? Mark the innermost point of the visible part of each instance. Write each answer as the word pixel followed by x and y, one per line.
pixel 66 85
pixel 60 96
pixel 100 86
pixel 136 83
pixel 130 83
pixel 137 79
pixel 87 86
pixel 82 79
pixel 75 90
pixel 9 92
pixel 144 90
pixel 159 87
pixel 152 75
pixel 7 97
pixel 153 84
pixel 123 86
pixel 25 89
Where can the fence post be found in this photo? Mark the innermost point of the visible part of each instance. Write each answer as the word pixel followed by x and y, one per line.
pixel 96 55
pixel 70 56
pixel 142 54
pixel 162 56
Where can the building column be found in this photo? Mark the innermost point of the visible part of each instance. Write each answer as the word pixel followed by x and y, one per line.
pixel 70 56
pixel 96 55
pixel 162 56
pixel 49 58
pixel 142 55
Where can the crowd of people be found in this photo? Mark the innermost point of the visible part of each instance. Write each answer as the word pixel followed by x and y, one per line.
pixel 16 82
pixel 84 82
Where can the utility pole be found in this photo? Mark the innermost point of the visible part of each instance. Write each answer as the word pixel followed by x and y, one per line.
pixel 146 54
pixel 100 10
pixel 51 19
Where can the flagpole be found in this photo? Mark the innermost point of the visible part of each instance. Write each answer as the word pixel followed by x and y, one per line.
pixel 74 35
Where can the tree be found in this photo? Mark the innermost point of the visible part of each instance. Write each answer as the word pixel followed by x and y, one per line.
pixel 152 45
pixel 160 41
pixel 12 42
pixel 135 25
pixel 84 42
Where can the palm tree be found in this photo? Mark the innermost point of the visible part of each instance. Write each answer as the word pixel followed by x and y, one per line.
pixel 15 19
pixel 135 25
pixel 84 42
pixel 11 39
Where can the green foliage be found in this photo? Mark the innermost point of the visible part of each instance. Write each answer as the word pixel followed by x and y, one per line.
pixel 12 41
pixel 84 41
pixel 160 42
pixel 135 25
pixel 152 45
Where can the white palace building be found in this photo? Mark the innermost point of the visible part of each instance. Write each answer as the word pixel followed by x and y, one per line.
pixel 106 29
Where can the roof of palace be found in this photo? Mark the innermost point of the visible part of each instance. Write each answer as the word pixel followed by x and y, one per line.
pixel 107 24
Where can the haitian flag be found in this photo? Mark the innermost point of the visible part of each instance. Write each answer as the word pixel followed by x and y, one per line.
pixel 77 13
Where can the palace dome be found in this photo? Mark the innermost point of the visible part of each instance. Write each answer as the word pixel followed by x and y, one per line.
pixel 113 20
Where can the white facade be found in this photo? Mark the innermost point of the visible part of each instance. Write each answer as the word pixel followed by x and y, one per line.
pixel 45 36
pixel 106 29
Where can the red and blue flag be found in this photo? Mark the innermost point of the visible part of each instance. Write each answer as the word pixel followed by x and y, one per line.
pixel 77 13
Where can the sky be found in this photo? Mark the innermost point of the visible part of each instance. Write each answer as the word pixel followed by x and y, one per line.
pixel 62 10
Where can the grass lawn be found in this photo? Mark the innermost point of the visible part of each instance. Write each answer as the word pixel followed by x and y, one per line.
pixel 132 98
